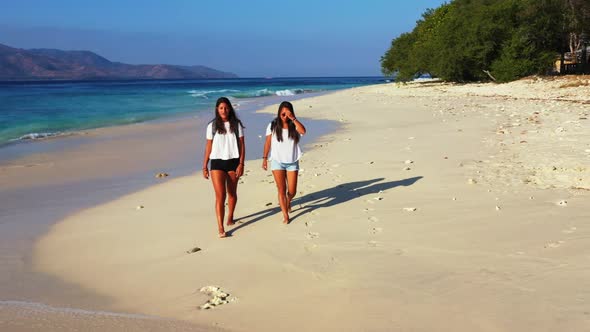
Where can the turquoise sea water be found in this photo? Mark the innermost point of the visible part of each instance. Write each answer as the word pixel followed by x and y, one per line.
pixel 33 110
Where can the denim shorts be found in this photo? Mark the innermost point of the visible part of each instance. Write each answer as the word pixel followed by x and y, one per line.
pixel 278 166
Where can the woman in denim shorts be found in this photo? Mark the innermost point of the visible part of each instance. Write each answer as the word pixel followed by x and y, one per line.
pixel 282 141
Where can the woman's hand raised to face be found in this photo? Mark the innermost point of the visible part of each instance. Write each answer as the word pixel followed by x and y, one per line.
pixel 288 114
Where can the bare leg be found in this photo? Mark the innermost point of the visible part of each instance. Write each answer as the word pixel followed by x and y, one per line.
pixel 232 196
pixel 218 178
pixel 280 180
pixel 292 182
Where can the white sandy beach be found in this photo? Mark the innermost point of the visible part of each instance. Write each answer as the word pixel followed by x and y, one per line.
pixel 434 207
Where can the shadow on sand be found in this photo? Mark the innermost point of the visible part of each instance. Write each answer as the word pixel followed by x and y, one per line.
pixel 326 198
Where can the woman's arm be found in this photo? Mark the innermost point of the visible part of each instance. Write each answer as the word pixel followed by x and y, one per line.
pixel 240 170
pixel 208 146
pixel 265 152
pixel 298 125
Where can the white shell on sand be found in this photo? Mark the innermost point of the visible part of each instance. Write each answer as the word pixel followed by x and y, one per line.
pixel 218 297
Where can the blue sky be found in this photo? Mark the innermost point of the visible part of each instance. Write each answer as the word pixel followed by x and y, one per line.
pixel 260 38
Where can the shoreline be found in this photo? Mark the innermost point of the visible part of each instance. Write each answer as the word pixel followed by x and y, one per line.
pixel 92 170
pixel 173 99
pixel 48 151
pixel 459 207
pixel 23 148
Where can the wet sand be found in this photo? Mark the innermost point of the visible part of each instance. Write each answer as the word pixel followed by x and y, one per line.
pixel 43 182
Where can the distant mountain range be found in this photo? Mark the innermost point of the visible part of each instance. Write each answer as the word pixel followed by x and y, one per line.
pixel 51 64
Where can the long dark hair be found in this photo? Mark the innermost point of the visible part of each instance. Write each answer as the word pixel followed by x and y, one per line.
pixel 234 121
pixel 276 124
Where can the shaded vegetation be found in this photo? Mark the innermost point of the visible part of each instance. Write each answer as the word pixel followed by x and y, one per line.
pixel 472 40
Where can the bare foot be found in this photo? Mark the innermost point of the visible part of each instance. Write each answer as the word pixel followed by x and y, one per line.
pixel 286 221
pixel 222 235
pixel 230 222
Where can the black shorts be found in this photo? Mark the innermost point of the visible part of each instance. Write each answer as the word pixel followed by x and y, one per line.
pixel 229 165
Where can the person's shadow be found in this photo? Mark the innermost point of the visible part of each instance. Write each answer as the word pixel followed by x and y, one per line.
pixel 327 197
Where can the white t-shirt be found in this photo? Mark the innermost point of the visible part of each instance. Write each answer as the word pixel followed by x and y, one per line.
pixel 225 146
pixel 286 151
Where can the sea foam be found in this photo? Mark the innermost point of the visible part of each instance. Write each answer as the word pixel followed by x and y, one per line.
pixel 35 136
pixel 207 93
pixel 35 306
pixel 269 92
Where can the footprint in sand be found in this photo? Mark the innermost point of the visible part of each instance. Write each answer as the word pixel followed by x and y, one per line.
pixel 309 223
pixel 373 244
pixel 217 297
pixel 368 209
pixel 399 252
pixel 375 230
pixel 569 230
pixel 312 235
pixel 554 244
pixel 373 219
pixel 310 247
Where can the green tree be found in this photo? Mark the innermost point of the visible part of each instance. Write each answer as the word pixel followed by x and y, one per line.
pixel 468 40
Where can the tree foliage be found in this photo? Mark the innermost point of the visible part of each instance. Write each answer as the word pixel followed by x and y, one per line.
pixel 463 39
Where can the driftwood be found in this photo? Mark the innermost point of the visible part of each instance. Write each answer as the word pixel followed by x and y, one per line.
pixel 490 75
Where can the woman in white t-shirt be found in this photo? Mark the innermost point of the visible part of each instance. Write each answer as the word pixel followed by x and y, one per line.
pixel 282 139
pixel 226 149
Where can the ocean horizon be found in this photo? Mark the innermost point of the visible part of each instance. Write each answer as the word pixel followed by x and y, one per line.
pixel 33 110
